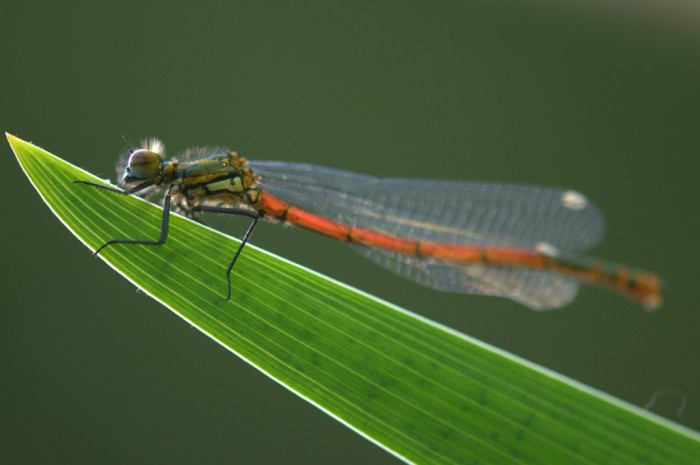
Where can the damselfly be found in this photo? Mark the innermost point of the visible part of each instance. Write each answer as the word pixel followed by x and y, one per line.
pixel 516 241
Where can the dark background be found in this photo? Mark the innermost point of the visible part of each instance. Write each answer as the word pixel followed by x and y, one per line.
pixel 602 100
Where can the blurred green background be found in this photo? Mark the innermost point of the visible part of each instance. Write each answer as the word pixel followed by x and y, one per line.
pixel 602 100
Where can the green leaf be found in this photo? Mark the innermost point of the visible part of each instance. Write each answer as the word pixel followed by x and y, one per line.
pixel 423 392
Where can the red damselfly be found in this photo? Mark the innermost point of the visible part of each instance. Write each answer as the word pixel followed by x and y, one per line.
pixel 517 241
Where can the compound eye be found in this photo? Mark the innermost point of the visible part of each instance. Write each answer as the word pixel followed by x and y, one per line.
pixel 143 164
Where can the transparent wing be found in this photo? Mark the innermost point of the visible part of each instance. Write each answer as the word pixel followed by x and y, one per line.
pixel 507 215
pixel 537 289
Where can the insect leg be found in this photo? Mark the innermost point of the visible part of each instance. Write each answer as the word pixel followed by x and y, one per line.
pixel 185 209
pixel 163 230
pixel 233 211
pixel 131 190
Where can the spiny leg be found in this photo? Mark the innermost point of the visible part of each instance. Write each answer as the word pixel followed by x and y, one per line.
pixel 164 223
pixel 233 211
pixel 183 208
pixel 164 227
pixel 131 190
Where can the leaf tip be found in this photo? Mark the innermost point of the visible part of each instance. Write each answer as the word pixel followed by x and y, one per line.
pixel 13 140
pixel 19 146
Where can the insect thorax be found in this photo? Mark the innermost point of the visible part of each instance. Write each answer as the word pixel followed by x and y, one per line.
pixel 217 177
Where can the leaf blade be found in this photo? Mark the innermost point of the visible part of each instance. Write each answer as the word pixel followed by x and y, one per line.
pixel 424 393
